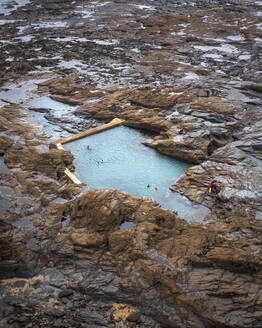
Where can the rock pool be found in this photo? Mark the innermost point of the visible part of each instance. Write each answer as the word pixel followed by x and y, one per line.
pixel 116 158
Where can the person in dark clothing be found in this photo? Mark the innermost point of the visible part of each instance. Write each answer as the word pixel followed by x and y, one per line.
pixel 182 131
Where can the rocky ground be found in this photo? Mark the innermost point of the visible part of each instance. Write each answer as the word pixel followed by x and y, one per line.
pixel 163 66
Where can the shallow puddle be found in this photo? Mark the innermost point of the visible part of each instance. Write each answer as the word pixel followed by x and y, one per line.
pixel 60 116
pixel 3 168
pixel 116 158
pixel 127 225
pixel 49 103
pixel 18 93
pixel 5 193
pixel 6 7
pixel 4 206
pixel 227 48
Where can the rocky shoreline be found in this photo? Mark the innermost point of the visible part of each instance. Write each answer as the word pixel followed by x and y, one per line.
pixel 64 261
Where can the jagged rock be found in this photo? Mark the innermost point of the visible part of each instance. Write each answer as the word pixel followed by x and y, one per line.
pixel 70 90
pixel 92 317
pixel 57 313
pixel 39 110
pixel 5 143
pixel 66 293
pixel 178 273
pixel 67 100
pixel 192 147
pixel 4 124
pixel 35 186
pixel 252 86
pixel 21 66
pixel 81 237
pixel 134 316
pixel 235 260
pixel 50 163
pixel 233 182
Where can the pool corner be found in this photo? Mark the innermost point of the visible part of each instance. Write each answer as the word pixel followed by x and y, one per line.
pixel 59 143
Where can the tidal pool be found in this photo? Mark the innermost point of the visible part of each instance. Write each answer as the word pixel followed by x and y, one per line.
pixel 53 116
pixel 49 103
pixel 117 159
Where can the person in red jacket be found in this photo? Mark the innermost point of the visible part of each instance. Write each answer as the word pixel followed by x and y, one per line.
pixel 212 186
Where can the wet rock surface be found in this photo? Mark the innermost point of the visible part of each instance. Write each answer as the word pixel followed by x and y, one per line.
pixel 190 74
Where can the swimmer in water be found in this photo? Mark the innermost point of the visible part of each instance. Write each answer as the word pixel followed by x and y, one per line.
pixel 148 186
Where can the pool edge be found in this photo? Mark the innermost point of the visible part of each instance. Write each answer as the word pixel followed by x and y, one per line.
pixel 59 143
pixel 115 122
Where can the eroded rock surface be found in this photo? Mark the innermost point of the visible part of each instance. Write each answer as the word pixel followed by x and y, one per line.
pixel 190 74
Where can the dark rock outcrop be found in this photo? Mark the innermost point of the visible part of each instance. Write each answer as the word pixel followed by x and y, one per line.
pixel 176 69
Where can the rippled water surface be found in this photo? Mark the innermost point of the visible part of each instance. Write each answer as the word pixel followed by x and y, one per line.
pixel 118 159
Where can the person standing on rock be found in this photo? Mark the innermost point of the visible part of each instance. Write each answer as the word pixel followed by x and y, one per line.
pixel 212 187
pixel 182 131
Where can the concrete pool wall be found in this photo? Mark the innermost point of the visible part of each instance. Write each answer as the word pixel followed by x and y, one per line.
pixel 59 143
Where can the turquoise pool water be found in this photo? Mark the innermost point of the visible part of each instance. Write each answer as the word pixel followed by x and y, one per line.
pixel 119 160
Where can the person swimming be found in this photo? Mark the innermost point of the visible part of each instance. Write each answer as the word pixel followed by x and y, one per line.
pixel 148 186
